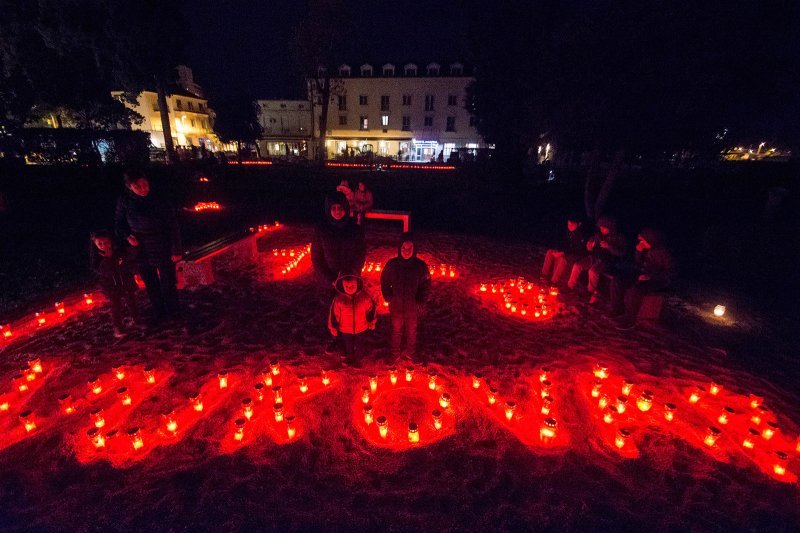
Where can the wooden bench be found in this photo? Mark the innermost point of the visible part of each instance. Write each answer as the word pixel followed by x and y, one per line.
pixel 196 267
pixel 403 216
pixel 649 310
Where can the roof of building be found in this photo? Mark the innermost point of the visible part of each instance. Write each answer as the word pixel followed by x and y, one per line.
pixel 445 68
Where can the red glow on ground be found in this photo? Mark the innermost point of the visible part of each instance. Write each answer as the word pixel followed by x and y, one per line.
pixel 265 228
pixel 289 263
pixel 520 298
pixel 45 319
pixel 14 402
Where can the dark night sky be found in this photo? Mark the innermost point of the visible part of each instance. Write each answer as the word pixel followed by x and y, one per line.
pixel 241 48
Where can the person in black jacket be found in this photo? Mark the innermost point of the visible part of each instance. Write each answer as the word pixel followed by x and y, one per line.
pixel 338 246
pixel 112 263
pixel 405 283
pixel 149 224
pixel 557 261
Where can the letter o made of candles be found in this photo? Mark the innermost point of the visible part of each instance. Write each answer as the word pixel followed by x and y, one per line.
pixel 404 414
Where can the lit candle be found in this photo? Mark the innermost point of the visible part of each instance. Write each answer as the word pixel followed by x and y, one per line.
pixel 437 419
pixel 302 385
pixel 275 368
pixel 35 365
pixel 291 431
pixel 393 375
pixel 277 394
pixel 608 414
pixel 6 329
pixel 627 386
pixel 494 289
pixel 553 291
pixel 697 394
pixel 326 380
pixel 197 402
pixel 169 421
pixel 95 386
pixel 770 430
pixel 26 418
pixel 711 436
pixel 373 383
pixel 751 438
pixel 600 371
pixel 545 391
pixel 65 401
pixel 603 402
pixel 492 396
pixel 367 414
pixel 645 401
pixel 547 404
pixel 124 396
pixel 544 374
pixel 621 438
pixel 483 287
pixel 413 433
pixel 136 438
pixel 4 405
pixel 266 377
pixel 781 461
pixel 150 374
pixel 239 432
pixel 432 380
pixel 719 310
pixel 97 418
pixel 669 411
pixel 547 431
pixel 383 426
pixel 247 408
pixel 757 417
pixel 409 373
pixel 476 380
pixel 278 410
pixel 444 400
pixel 511 406
pixel 622 404
pixel 60 308
pixel 119 372
pixel 797 445
pixel 96 438
pixel 88 298
pixel 40 319
pixel 596 387
pixel 29 374
pixel 714 388
pixel 755 401
pixel 725 415
pixel 365 394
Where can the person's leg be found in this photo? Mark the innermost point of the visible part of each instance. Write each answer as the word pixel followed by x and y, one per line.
pixel 116 310
pixel 633 301
pixel 169 285
pixel 397 332
pixel 411 332
pixel 130 301
pixel 595 272
pixel 349 342
pixel 577 270
pixel 547 266
pixel 152 285
pixel 559 267
pixel 616 293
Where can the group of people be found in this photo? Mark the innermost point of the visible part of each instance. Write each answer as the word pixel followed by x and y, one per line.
pixel 601 253
pixel 361 200
pixel 338 253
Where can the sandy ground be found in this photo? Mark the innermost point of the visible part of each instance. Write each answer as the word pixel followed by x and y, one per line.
pixel 481 475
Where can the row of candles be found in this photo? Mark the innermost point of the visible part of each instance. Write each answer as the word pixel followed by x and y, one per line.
pixel 644 402
pixel 207 206
pixel 295 257
pixel 40 317
pixel 522 297
pixel 261 228
pixel 442 271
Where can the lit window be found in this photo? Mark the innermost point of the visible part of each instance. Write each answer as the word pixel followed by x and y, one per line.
pixel 406 123
pixel 384 102
pixel 363 123
pixel 451 124
pixel 362 99
pixel 429 121
pixel 452 100
pixel 384 120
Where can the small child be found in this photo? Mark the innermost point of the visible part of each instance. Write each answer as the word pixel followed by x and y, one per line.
pixel 352 313
pixel 116 280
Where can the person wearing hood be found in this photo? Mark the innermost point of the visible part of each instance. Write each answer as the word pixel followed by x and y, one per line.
pixel 405 284
pixel 352 313
pixel 573 248
pixel 606 247
pixel 112 264
pixel 654 271
pixel 338 245
pixel 344 188
pixel 148 223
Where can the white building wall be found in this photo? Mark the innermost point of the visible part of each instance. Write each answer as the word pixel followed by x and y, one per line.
pixel 285 127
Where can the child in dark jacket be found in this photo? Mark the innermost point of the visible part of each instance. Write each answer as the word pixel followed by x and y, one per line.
pixel 351 314
pixel 573 248
pixel 113 267
pixel 405 283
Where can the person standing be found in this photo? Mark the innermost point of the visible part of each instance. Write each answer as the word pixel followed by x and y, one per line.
pixel 338 244
pixel 351 314
pixel 405 284
pixel 149 224
pixel 362 202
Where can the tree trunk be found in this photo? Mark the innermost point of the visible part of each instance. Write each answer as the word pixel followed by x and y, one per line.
pixel 324 91
pixel 592 175
pixel 608 183
pixel 166 128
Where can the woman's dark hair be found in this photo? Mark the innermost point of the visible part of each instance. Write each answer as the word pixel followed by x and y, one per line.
pixel 101 234
pixel 132 175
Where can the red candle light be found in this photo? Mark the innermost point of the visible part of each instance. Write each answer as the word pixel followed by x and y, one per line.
pixel 136 438
pixel 476 381
pixel 150 374
pixel 60 308
pixel 603 402
pixel 223 379
pixel 373 384
pixel 600 372
pixel 432 380
pixel 483 287
pixel 96 438
pixel 413 433
pixel 645 401
pixel 239 432
pixel 608 414
pixel 247 408
pixel 383 426
pixel 40 319
pixel 266 377
pixel 365 394
pixel 302 384
pixel 197 402
pixel 444 400
pixel 596 387
pixel 755 401
pixel 95 386
pixel 758 416
pixel 544 374
pixel 259 387
pixel 119 372
pixel 725 416
pixel 409 373
pixel 393 375
pixel 547 431
pixel 547 404
pixel 275 368
pixel 290 429
pixel 29 374
pixel 326 380
pixel 278 410
pixel 169 422
pixel 4 405
pixel 6 330
pixel 65 402
pixel 669 411
pixel 627 386
pixel 621 404
pixel 511 406
pixel 492 396
pixel 751 438
pixel 770 430
pixel 367 414
pixel 124 396
pixel 97 418
pixel 437 419
pixel 35 365
pixel 88 298
pixel 698 393
pixel 714 388
pixel 545 390
pixel 621 438
pixel 26 418
pixel 277 394
pixel 712 435
pixel 781 462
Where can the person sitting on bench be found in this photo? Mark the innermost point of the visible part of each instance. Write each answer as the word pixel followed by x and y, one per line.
pixel 573 248
pixel 654 272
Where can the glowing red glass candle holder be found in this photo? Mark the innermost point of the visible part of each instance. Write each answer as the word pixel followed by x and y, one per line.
pixel 291 431
pixel 437 419
pixel 393 376
pixel 669 411
pixel 238 434
pixel 35 365
pixel 621 438
pixel 65 403
pixel 413 433
pixel 781 463
pixel 432 380
pixel 97 417
pixel 326 379
pixel 597 386
pixel 726 415
pixel 547 405
pixel 96 438
pixel 751 439
pixel 27 420
pixel 511 406
pixel 119 372
pixel 712 436
pixel 383 426
pixel 277 409
pixel 367 414
pixel 222 377
pixel 124 396
pixel 476 380
pixel 547 431
pixel 150 374
pixel 95 386
pixel 444 400
pixel 170 423
pixel 600 372
pixel 135 435
pixel 769 431
pixel 645 401
pixel 259 394
pixel 409 374
pixel 21 382
pixel 491 396
pixel 197 402
pixel 247 408
pixel 301 384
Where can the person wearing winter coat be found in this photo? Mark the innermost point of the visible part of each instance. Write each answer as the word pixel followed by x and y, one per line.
pixel 150 225
pixel 112 264
pixel 362 202
pixel 573 248
pixel 606 248
pixel 654 271
pixel 352 313
pixel 405 284
pixel 338 244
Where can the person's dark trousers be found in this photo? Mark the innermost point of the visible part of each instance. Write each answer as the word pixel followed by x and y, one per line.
pixel 404 323
pixel 350 345
pixel 617 288
pixel 117 298
pixel 161 285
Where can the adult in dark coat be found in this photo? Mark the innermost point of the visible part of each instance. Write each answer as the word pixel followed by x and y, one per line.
pixel 149 224
pixel 606 248
pixel 405 284
pixel 572 249
pixel 338 246
pixel 654 271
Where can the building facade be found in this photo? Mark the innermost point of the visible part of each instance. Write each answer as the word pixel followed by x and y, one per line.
pixel 407 112
pixel 285 127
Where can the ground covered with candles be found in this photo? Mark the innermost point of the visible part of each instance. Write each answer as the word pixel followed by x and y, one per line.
pixel 235 416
